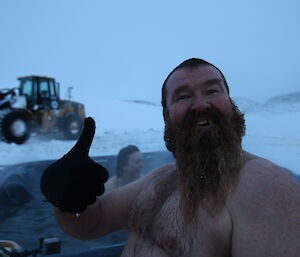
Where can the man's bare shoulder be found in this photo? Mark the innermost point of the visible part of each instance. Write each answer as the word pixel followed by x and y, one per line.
pixel 264 189
pixel 259 175
pixel 265 209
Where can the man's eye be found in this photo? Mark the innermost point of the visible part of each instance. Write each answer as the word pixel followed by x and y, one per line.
pixel 212 91
pixel 182 97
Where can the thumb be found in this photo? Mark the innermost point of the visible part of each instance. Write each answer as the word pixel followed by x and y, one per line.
pixel 85 140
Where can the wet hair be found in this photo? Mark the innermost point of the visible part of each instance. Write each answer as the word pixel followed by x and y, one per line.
pixel 192 63
pixel 123 157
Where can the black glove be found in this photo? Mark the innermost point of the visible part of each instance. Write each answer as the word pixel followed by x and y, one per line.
pixel 74 181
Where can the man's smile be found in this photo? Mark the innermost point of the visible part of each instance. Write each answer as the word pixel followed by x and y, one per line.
pixel 203 123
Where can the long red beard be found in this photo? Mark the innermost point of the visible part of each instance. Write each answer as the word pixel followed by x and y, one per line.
pixel 208 160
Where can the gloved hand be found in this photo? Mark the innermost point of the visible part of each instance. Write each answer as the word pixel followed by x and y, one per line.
pixel 74 181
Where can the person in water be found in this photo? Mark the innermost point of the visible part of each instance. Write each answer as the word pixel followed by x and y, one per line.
pixel 129 164
pixel 216 200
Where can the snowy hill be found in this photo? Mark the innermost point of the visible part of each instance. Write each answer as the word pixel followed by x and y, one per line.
pixel 289 102
pixel 247 105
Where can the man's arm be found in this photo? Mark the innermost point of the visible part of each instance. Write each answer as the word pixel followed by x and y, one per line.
pixel 266 212
pixel 75 183
pixel 109 213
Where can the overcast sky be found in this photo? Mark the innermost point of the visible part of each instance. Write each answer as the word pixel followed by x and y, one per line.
pixel 125 49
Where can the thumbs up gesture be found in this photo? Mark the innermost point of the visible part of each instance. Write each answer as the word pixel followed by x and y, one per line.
pixel 74 181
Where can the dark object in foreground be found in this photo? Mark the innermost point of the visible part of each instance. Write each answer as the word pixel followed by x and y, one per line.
pixel 105 251
pixel 74 181
pixel 51 246
pixel 46 247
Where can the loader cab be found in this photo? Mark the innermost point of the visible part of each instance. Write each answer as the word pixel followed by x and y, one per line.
pixel 40 92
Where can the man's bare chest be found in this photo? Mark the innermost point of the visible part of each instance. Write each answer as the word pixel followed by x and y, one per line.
pixel 159 222
pixel 157 219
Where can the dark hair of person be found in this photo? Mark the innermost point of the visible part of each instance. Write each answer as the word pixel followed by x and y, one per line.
pixel 192 63
pixel 123 157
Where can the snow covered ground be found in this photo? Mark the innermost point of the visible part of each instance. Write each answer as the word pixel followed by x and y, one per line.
pixel 272 131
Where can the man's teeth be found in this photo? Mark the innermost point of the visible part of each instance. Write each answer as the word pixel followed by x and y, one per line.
pixel 203 123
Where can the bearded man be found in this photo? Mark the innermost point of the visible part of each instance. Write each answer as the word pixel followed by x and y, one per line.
pixel 217 200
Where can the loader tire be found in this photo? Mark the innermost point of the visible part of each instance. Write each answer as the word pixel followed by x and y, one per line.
pixel 72 127
pixel 14 126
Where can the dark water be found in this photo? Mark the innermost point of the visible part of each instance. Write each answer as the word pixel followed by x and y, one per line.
pixel 26 223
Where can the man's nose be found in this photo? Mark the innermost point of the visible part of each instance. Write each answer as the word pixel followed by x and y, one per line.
pixel 199 104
